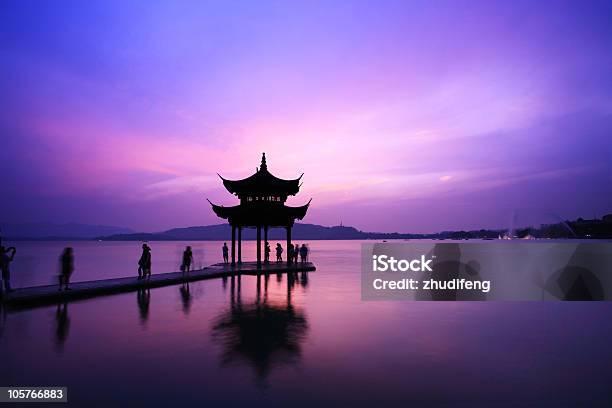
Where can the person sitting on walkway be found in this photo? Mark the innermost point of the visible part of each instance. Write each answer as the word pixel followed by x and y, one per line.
pixel 267 251
pixel 304 253
pixel 145 259
pixel 187 260
pixel 225 253
pixel 67 264
pixel 279 253
pixel 5 260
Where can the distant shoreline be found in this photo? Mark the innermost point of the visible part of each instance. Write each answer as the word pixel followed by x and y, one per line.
pixel 577 229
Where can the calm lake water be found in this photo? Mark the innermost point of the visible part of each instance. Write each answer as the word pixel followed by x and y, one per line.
pixel 301 342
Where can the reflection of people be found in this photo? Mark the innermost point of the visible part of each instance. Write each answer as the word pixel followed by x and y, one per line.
pixel 2 319
pixel 304 279
pixel 63 324
pixel 144 262
pixel 187 259
pixel 5 260
pixel 143 298
pixel 279 253
pixel 185 297
pixel 67 263
pixel 225 250
pixel 267 251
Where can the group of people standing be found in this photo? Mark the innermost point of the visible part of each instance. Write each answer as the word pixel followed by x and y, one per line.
pixel 293 252
pixel 144 263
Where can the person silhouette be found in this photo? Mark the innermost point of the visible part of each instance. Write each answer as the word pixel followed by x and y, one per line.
pixel 267 251
pixel 289 254
pixel 187 259
pixel 144 261
pixel 148 263
pixel 296 253
pixel 5 261
pixel 225 250
pixel 279 253
pixel 304 253
pixel 67 266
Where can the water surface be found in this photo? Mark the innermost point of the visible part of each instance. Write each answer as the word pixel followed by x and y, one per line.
pixel 301 341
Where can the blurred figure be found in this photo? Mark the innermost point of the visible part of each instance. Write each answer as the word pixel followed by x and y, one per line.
pixel 289 254
pixel 296 253
pixel 267 251
pixel 187 260
pixel 447 266
pixel 67 263
pixel 225 250
pixel 5 260
pixel 279 253
pixel 304 253
pixel 580 279
pixel 144 263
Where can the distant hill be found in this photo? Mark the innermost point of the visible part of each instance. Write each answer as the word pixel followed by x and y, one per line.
pixel 51 231
pixel 223 232
pixel 580 228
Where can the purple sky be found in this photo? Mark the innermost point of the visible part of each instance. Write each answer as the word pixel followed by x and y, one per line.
pixel 404 116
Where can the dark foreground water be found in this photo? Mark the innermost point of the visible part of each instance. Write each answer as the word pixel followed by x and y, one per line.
pixel 295 342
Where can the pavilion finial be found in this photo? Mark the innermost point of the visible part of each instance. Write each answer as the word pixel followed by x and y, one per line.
pixel 263 165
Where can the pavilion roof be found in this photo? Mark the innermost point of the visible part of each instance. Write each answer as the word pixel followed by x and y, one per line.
pixel 251 215
pixel 262 182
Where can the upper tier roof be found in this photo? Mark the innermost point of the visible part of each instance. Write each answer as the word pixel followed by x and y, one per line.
pixel 263 182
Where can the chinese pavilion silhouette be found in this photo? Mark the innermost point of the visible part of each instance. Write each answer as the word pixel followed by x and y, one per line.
pixel 262 205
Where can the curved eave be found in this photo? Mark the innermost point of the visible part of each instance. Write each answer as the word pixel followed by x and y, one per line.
pixel 299 212
pixel 262 181
pixel 223 212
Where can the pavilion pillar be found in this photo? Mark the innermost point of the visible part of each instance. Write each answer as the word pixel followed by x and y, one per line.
pixel 265 241
pixel 259 246
pixel 258 289
pixel 288 242
pixel 233 244
pixel 240 244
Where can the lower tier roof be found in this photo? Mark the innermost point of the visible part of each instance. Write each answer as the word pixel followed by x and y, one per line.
pixel 278 215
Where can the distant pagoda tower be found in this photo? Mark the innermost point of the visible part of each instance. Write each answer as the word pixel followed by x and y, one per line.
pixel 262 205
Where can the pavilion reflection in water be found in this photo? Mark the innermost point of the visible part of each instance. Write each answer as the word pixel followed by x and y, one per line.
pixel 264 334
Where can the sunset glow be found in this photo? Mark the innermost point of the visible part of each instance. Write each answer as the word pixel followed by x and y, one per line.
pixel 404 116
